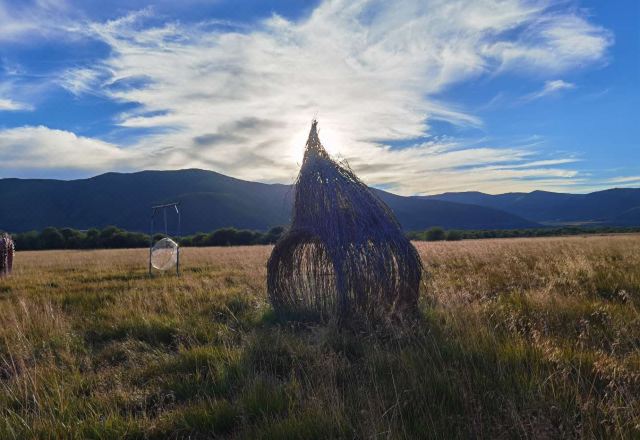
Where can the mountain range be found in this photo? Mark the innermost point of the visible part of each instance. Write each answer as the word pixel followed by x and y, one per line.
pixel 616 207
pixel 210 200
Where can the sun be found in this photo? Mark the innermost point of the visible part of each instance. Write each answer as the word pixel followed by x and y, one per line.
pixel 332 140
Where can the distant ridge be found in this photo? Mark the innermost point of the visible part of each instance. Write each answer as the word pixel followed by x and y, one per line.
pixel 209 200
pixel 616 207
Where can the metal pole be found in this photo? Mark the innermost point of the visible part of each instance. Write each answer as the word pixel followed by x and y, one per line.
pixel 178 237
pixel 166 229
pixel 153 214
pixel 178 212
pixel 178 262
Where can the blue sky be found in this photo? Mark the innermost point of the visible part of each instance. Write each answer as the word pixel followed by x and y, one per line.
pixel 418 96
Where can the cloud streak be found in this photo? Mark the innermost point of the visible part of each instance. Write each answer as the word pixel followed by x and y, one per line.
pixel 11 99
pixel 27 20
pixel 551 87
pixel 11 105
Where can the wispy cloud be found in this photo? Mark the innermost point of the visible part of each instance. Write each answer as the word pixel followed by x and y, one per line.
pixel 555 42
pixel 80 80
pixel 10 105
pixel 25 20
pixel 240 100
pixel 11 99
pixel 551 87
pixel 625 180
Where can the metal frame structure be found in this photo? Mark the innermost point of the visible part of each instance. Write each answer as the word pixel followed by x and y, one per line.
pixel 155 210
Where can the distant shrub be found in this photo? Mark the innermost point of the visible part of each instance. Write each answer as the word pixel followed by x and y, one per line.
pixel 454 235
pixel 51 238
pixel 200 239
pixel 273 235
pixel 435 234
pixel 232 237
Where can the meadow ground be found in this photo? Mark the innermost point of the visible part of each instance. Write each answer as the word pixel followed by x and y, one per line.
pixel 530 338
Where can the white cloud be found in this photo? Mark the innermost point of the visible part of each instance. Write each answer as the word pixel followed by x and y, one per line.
pixel 543 163
pixel 80 80
pixel 554 42
pixel 23 21
pixel 18 100
pixel 44 148
pixel 240 100
pixel 11 105
pixel 629 180
pixel 550 87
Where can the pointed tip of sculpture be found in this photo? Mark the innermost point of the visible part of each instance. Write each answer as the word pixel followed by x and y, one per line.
pixel 313 133
pixel 313 142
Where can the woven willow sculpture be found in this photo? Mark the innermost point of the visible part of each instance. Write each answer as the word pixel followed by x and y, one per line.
pixel 345 253
pixel 7 250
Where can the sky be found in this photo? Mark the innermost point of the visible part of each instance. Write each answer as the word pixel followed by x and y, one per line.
pixel 416 96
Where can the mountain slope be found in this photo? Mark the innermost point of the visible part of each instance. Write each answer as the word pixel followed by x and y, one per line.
pixel 630 217
pixel 542 206
pixel 125 199
pixel 414 214
pixel 208 200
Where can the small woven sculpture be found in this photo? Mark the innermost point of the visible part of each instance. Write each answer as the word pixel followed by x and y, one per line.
pixel 7 251
pixel 345 253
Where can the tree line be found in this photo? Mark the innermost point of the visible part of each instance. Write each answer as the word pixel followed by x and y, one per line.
pixel 439 234
pixel 113 237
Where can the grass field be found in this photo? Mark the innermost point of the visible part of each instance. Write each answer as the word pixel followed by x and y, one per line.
pixel 531 338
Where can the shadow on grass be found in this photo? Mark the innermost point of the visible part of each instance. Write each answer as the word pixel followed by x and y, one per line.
pixel 435 376
pixel 414 380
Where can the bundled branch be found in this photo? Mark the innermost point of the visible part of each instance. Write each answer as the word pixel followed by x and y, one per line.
pixel 7 251
pixel 345 253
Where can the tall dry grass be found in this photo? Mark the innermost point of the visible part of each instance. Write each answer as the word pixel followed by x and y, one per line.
pixel 530 338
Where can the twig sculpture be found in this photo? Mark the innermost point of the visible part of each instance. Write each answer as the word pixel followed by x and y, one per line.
pixel 7 250
pixel 345 253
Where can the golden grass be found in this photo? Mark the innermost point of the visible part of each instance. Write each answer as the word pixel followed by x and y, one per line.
pixel 534 338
